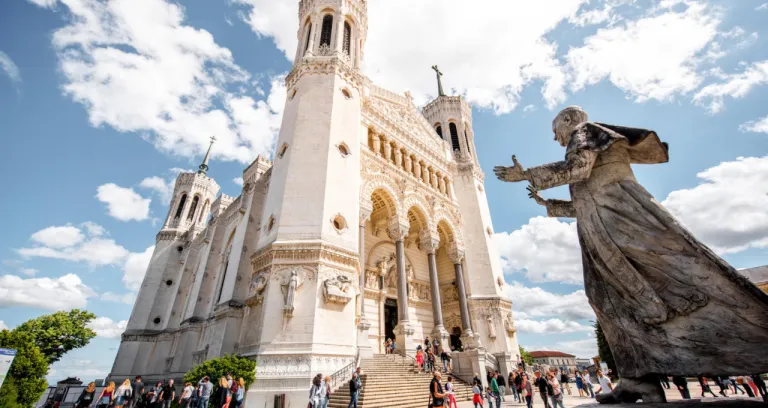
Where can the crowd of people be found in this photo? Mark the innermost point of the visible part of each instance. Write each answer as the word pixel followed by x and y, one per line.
pixel 227 393
pixel 751 386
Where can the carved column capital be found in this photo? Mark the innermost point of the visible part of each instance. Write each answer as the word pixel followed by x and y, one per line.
pixel 365 215
pixel 427 242
pixel 397 228
pixel 455 252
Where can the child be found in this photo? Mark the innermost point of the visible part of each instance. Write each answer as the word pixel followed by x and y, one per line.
pixel 477 399
pixel 449 391
pixel 490 396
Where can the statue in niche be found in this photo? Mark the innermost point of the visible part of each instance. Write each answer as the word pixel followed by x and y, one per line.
pixel 372 280
pixel 491 327
pixel 289 287
pixel 386 265
pixel 256 289
pixel 411 288
pixel 666 303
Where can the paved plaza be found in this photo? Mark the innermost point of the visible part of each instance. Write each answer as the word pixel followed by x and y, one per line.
pixel 573 401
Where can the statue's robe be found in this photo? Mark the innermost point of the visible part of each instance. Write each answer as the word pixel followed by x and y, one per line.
pixel 666 303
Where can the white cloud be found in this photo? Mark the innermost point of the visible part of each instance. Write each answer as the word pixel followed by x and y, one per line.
pixel 9 67
pixel 536 303
pixel 127 298
pixel 58 237
pixel 70 243
pixel 163 188
pixel 550 326
pixel 64 293
pixel 757 126
pixel 44 3
pixel 93 229
pixel 107 328
pixel 735 86
pixel 3 326
pixel 136 267
pixel 761 7
pixel 135 66
pixel 545 250
pixel 123 203
pixel 31 272
pixel 639 57
pixel 727 210
pixel 581 348
pixel 238 181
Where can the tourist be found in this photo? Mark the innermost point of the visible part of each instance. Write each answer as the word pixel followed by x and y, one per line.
pixel 705 386
pixel 489 395
pixel 760 384
pixel 605 383
pixel 445 359
pixel 476 380
pixel 430 361
pixel 579 384
pixel 354 387
pixel 449 393
pixel 543 387
pixel 317 392
pixel 107 395
pixel 735 383
pixel 664 380
pixel 588 384
pixel 435 346
pixel 327 382
pixel 393 346
pixel 186 394
pixel 477 397
pixel 204 389
pixel 419 359
pixel 225 396
pixel 138 391
pixel 240 394
pixel 526 390
pixel 719 382
pixel 502 385
pixel 519 381
pixel 86 397
pixel 436 390
pixel 682 385
pixel 745 380
pixel 153 394
pixel 557 389
pixel 511 381
pixel 123 393
pixel 494 384
pixel 167 395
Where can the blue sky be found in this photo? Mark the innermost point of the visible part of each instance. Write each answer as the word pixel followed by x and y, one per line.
pixel 96 120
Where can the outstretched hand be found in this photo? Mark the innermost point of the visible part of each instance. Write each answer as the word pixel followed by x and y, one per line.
pixel 511 174
pixel 534 194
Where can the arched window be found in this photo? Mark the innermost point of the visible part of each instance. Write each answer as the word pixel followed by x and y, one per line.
pixel 309 36
pixel 347 38
pixel 325 34
pixel 466 139
pixel 439 130
pixel 204 210
pixel 181 205
pixel 226 266
pixel 454 136
pixel 193 208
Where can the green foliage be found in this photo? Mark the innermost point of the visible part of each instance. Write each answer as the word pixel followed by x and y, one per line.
pixel 604 348
pixel 219 367
pixel 25 382
pixel 526 356
pixel 56 334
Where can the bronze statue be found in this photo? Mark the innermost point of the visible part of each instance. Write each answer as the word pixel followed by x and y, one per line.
pixel 667 304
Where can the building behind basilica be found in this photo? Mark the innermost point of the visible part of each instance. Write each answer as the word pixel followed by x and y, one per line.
pixel 370 223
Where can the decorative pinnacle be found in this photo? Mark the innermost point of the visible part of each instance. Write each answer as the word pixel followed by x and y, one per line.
pixel 204 166
pixel 439 81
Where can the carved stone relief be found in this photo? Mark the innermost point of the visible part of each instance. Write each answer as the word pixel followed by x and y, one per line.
pixel 259 282
pixel 337 289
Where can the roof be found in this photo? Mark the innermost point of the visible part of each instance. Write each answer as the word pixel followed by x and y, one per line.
pixel 549 353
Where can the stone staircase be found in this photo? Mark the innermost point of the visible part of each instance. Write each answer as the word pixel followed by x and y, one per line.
pixel 391 381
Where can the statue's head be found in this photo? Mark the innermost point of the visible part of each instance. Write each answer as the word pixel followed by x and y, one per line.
pixel 566 121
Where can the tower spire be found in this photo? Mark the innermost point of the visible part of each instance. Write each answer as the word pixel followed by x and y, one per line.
pixel 204 165
pixel 439 81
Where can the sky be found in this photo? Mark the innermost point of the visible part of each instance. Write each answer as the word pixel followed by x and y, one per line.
pixel 103 103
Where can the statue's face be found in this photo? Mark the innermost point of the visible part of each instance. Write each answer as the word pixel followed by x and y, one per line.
pixel 562 127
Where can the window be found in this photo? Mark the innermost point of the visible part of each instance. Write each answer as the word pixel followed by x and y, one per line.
pixel 466 139
pixel 282 151
pixel 223 277
pixel 439 130
pixel 203 210
pixel 346 93
pixel 347 38
pixel 157 320
pixel 181 205
pixel 293 95
pixel 454 136
pixel 193 208
pixel 339 223
pixel 325 34
pixel 169 282
pixel 270 223
pixel 309 36
pixel 343 149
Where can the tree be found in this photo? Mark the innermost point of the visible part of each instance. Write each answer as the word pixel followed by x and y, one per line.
pixel 25 382
pixel 604 348
pixel 219 367
pixel 56 334
pixel 526 356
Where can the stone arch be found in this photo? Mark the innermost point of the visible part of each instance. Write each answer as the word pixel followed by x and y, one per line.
pixel 447 230
pixel 418 218
pixel 383 183
pixel 414 200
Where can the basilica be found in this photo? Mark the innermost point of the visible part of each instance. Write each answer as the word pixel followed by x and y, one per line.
pixel 369 223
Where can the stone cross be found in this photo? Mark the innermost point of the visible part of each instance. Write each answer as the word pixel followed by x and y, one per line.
pixel 439 81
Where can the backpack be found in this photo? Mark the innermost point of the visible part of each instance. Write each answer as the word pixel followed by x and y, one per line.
pixel 233 389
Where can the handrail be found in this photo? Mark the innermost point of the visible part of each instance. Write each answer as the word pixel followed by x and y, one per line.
pixel 345 373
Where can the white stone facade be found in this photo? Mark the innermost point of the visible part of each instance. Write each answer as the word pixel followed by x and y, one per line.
pixel 366 225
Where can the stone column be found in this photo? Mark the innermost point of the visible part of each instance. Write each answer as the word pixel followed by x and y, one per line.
pixel 376 144
pixel 363 326
pixel 387 151
pixel 398 230
pixel 438 332
pixel 468 338
pixel 398 157
pixel 408 164
pixel 417 169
